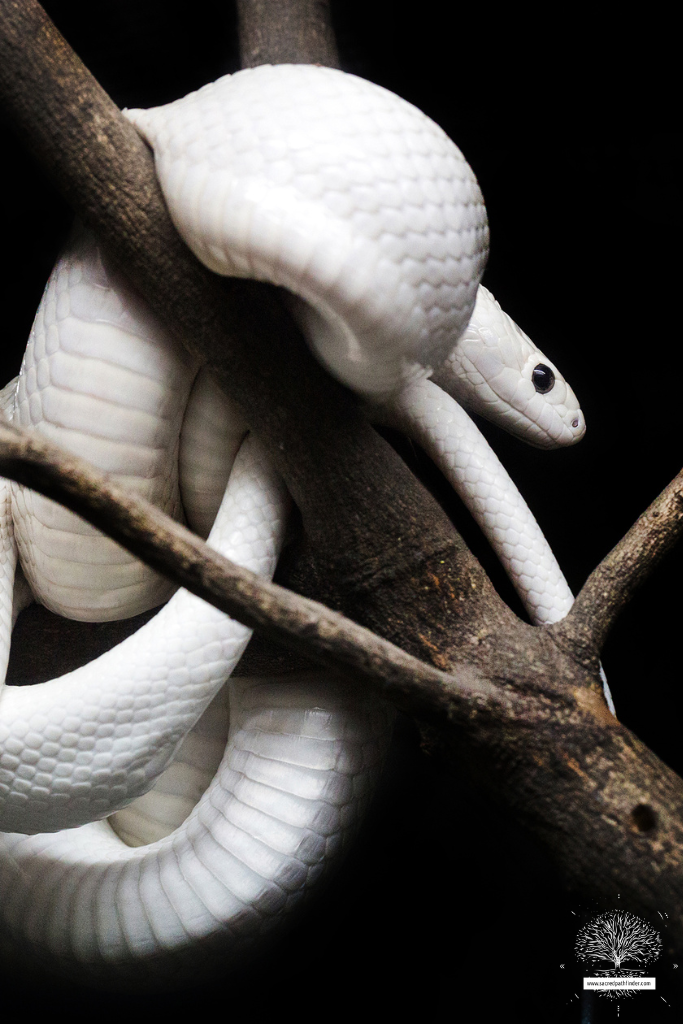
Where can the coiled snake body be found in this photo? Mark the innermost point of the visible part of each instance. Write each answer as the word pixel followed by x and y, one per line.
pixel 363 209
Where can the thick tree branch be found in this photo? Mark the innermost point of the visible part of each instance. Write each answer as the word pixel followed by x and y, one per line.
pixel 271 32
pixel 614 582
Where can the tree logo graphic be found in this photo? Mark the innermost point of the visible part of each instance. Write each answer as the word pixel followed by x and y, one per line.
pixel 622 939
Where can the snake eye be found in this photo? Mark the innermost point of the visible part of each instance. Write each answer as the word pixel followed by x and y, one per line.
pixel 543 378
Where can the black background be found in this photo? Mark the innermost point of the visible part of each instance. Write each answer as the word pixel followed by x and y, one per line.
pixel 443 910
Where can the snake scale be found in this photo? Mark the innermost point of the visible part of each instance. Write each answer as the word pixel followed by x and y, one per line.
pixel 143 835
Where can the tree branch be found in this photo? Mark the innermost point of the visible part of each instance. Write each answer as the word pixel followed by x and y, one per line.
pixel 271 32
pixel 171 549
pixel 615 581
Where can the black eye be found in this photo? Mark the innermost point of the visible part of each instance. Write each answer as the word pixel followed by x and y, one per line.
pixel 543 378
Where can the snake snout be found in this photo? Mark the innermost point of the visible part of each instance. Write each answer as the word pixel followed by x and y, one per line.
pixel 577 427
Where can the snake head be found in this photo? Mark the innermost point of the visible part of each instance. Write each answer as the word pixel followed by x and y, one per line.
pixel 495 370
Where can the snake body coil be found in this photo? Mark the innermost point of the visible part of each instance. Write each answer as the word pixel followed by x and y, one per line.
pixel 363 209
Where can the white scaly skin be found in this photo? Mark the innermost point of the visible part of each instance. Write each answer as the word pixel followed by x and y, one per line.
pixel 379 224
pixel 339 191
pixel 101 378
pixel 452 440
pixel 491 372
pixel 298 771
pixel 295 779
pixel 78 747
pixel 210 438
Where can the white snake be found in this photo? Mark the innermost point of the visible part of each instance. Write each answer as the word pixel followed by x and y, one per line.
pixel 361 207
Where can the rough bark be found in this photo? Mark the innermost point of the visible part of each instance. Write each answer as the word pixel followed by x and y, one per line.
pixel 613 583
pixel 274 33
